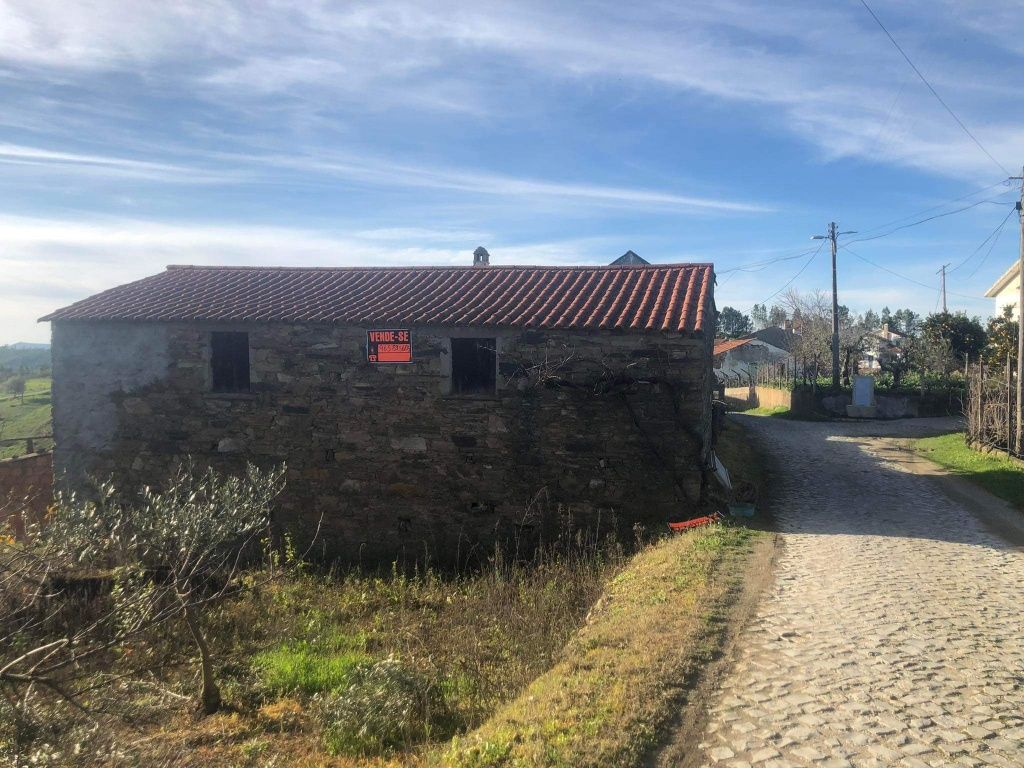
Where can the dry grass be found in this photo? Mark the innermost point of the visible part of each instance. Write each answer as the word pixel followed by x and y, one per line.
pixel 621 678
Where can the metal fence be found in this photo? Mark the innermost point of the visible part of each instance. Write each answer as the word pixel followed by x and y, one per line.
pixel 990 410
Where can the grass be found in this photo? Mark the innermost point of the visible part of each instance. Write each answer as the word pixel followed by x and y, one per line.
pixel 783 412
pixel 775 412
pixel 26 419
pixel 291 669
pixel 620 680
pixel 997 474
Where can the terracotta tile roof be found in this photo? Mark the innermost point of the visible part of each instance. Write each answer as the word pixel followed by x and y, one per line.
pixel 670 297
pixel 724 345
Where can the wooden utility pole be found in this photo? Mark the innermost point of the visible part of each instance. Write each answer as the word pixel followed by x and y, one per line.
pixel 942 269
pixel 1020 324
pixel 835 310
pixel 833 236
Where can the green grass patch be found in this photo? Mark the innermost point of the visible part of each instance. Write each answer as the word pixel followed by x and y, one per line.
pixel 299 669
pixel 784 412
pixel 621 679
pixel 996 473
pixel 26 417
pixel 775 412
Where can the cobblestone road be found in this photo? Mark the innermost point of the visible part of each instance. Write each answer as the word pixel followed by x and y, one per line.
pixel 893 633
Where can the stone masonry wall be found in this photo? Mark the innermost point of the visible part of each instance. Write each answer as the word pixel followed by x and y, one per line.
pixel 26 486
pixel 608 428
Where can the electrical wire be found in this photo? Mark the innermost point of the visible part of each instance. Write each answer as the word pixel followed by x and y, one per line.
pixel 758 266
pixel 923 221
pixel 794 277
pixel 994 233
pixel 901 276
pixel 940 205
pixel 999 231
pixel 934 92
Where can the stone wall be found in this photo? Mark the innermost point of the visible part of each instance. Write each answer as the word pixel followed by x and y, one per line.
pixel 608 428
pixel 26 487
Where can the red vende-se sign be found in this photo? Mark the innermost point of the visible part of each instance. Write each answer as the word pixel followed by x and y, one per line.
pixel 389 346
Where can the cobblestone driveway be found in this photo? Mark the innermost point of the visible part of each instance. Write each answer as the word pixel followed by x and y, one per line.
pixel 893 633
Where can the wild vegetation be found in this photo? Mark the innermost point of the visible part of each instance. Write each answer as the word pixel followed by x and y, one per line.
pixel 116 665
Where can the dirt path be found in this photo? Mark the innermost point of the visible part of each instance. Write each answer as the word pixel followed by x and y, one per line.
pixel 894 631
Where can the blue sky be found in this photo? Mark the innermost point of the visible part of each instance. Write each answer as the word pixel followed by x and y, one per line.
pixel 136 135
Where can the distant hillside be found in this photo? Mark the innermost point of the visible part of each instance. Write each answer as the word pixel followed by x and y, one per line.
pixel 29 345
pixel 23 358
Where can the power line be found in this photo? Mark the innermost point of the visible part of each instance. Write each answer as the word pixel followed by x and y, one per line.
pixel 794 277
pixel 904 277
pixel 993 233
pixel 762 264
pixel 934 92
pixel 942 205
pixel 924 221
pixel 757 266
pixel 999 231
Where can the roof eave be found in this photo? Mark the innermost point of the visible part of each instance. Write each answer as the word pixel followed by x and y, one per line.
pixel 1004 280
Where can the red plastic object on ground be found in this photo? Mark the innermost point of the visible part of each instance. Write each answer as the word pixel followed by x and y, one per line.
pixel 695 523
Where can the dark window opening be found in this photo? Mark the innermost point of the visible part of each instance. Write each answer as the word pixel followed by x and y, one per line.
pixel 229 360
pixel 473 366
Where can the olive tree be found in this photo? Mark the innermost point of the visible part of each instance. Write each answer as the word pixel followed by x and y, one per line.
pixel 169 554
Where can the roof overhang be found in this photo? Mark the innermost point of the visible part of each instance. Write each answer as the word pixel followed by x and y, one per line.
pixel 1004 280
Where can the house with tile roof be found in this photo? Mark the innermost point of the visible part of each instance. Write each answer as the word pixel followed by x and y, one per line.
pixel 739 359
pixel 421 411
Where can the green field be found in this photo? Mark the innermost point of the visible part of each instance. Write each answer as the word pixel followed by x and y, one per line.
pixel 994 472
pixel 25 419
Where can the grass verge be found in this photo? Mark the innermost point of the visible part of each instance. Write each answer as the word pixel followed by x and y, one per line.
pixel 620 680
pixel 997 474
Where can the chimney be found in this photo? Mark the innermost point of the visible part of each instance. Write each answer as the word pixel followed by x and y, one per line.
pixel 481 258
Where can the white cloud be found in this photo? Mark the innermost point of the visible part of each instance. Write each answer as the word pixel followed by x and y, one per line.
pixel 249 169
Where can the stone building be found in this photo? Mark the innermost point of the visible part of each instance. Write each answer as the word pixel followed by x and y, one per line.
pixel 420 411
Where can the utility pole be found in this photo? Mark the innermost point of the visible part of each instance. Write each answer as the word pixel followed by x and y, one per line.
pixel 942 269
pixel 833 236
pixel 1020 323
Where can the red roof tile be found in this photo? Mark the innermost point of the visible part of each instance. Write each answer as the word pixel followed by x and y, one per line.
pixel 724 345
pixel 670 297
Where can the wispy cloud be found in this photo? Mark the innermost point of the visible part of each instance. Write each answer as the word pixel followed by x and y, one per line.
pixel 62 161
pixel 249 169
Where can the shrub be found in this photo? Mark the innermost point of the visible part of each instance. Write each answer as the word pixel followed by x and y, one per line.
pixel 386 706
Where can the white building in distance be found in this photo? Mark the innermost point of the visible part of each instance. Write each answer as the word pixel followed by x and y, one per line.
pixel 1006 291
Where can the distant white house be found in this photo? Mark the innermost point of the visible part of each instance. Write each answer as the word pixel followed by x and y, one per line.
pixel 878 340
pixel 1006 291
